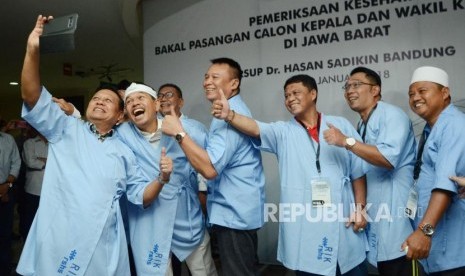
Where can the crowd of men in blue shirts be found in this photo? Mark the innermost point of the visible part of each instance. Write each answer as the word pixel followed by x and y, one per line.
pixel 151 165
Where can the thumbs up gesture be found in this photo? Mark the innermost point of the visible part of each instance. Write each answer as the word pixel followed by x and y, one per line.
pixel 220 107
pixel 166 166
pixel 334 136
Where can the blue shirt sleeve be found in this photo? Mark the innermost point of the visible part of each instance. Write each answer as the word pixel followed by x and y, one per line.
pixel 391 130
pixel 270 136
pixel 46 117
pixel 223 141
pixel 450 157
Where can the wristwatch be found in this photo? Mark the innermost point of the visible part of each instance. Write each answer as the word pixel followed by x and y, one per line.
pixel 179 136
pixel 350 142
pixel 427 229
pixel 161 180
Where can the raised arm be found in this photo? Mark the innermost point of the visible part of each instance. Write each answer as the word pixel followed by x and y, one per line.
pixel 369 153
pixel 30 77
pixel 246 125
pixel 197 156
pixel 152 191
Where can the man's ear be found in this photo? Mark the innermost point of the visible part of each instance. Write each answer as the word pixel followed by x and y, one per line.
pixel 376 91
pixel 120 117
pixel 314 94
pixel 234 84
pixel 157 104
pixel 445 92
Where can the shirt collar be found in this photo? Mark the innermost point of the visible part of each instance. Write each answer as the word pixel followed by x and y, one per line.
pixel 154 136
pixel 101 137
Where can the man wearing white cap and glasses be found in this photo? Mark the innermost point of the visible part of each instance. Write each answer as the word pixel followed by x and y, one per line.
pixel 174 222
pixel 438 238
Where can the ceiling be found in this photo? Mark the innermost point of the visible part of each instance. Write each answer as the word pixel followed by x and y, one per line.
pixel 108 45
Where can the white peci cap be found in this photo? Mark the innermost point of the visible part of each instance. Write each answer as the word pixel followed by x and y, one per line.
pixel 136 87
pixel 432 74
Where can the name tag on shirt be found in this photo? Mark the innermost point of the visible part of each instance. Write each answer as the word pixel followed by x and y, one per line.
pixel 321 192
pixel 412 202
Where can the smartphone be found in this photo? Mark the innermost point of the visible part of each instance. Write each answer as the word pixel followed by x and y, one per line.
pixel 61 25
pixel 58 34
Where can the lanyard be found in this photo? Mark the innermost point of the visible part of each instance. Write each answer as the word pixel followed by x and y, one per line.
pixel 317 151
pixel 421 146
pixel 360 124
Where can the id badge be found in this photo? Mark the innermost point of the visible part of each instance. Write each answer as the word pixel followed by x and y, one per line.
pixel 412 202
pixel 321 192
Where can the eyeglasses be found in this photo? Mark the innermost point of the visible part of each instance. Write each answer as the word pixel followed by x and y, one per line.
pixel 355 85
pixel 167 95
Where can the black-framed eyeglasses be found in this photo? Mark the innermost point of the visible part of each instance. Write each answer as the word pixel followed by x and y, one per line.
pixel 167 95
pixel 355 85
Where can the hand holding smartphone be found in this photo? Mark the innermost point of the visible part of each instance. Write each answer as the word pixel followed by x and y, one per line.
pixel 58 34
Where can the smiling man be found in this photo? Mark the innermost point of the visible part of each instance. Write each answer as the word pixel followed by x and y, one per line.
pixel 313 174
pixel 199 262
pixel 78 229
pixel 438 238
pixel 236 191
pixel 388 147
pixel 174 222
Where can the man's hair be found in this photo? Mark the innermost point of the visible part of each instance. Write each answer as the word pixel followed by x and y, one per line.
pixel 236 68
pixel 123 84
pixel 114 89
pixel 306 80
pixel 176 88
pixel 371 75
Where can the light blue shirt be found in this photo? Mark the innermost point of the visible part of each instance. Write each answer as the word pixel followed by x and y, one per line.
pixel 78 229
pixel 444 156
pixel 174 222
pixel 390 130
pixel 236 196
pixel 314 242
pixel 10 162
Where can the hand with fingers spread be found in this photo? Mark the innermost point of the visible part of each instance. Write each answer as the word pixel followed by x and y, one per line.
pixel 334 136
pixel 67 107
pixel 220 107
pixel 33 40
pixel 166 167
pixel 171 123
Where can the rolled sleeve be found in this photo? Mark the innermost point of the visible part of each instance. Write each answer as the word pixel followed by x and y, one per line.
pixel 46 117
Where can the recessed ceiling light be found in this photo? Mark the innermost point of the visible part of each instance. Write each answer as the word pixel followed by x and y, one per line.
pixel 13 83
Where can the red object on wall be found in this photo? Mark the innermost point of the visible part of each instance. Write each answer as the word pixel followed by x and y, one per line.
pixel 67 69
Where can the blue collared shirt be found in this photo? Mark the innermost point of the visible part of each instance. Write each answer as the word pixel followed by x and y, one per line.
pixel 177 207
pixel 236 196
pixel 78 224
pixel 391 131
pixel 444 156
pixel 314 242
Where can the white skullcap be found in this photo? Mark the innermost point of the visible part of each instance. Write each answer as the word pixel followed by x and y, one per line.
pixel 432 74
pixel 135 87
